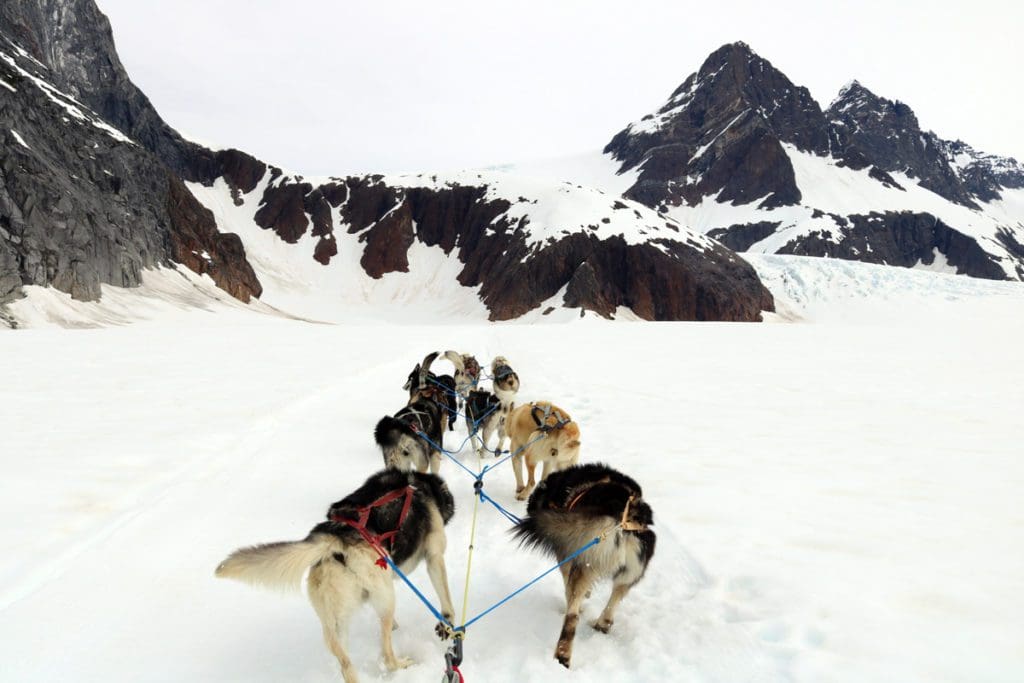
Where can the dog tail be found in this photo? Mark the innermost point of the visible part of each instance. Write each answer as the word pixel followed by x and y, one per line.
pixel 456 358
pixel 280 566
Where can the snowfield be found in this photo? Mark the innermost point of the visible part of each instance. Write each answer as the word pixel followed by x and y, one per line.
pixel 835 500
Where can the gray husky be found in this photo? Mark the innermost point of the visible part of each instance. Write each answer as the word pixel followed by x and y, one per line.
pixel 403 514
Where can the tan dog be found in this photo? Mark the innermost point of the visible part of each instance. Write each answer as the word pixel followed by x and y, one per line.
pixel 506 385
pixel 541 433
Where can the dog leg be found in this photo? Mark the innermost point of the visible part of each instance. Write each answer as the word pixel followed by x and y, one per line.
pixel 517 469
pixel 579 580
pixel 435 462
pixel 607 618
pixel 546 470
pixel 435 547
pixel 382 598
pixel 531 468
pixel 333 606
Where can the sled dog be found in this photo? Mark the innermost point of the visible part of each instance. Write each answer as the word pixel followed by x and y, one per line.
pixel 483 415
pixel 569 509
pixel 540 432
pixel 424 384
pixel 404 513
pixel 506 385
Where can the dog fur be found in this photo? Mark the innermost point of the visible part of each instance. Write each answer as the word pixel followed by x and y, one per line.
pixel 467 373
pixel 569 509
pixel 483 417
pixel 402 447
pixel 426 385
pixel 541 432
pixel 342 566
pixel 506 386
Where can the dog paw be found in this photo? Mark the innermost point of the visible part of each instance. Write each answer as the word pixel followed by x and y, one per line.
pixel 524 493
pixel 602 625
pixel 563 657
pixel 400 663
pixel 442 630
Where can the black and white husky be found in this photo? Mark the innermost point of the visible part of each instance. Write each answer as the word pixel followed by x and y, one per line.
pixel 424 384
pixel 401 436
pixel 345 570
pixel 569 509
pixel 483 417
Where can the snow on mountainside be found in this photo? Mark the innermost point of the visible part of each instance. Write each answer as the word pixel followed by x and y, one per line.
pixel 745 155
pixel 807 289
pixel 512 244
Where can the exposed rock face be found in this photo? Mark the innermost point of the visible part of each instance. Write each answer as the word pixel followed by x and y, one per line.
pixel 73 40
pixel 720 131
pixel 668 278
pixel 983 175
pixel 870 130
pixel 898 239
pixel 82 205
pixel 727 141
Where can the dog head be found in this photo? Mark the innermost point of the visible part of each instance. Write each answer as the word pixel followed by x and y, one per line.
pixel 564 442
pixel 505 379
pixel 401 448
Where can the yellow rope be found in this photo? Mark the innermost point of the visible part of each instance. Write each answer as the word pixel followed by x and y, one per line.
pixel 469 557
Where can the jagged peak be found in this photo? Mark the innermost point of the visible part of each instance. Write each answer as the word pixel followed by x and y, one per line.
pixel 853 93
pixel 855 96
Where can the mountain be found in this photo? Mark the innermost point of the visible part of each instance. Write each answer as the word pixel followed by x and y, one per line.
pixel 743 154
pixel 82 204
pixel 96 188
pixel 519 244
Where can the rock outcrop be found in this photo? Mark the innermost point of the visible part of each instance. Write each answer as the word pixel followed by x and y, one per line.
pixel 81 204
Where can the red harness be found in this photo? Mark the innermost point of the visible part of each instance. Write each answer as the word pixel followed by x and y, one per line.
pixel 377 541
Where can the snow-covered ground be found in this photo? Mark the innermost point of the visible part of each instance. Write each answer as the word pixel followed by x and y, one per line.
pixel 837 501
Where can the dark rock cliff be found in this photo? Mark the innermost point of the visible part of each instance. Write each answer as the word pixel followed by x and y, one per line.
pixel 82 205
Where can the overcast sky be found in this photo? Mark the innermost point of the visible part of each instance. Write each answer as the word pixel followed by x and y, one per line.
pixel 333 86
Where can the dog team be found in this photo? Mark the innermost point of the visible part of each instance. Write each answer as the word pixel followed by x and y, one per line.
pixel 397 517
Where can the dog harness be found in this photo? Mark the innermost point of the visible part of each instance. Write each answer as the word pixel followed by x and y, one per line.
pixel 376 540
pixel 624 522
pixel 545 414
pixel 502 371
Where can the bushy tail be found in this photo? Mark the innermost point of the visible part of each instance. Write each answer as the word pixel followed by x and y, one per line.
pixel 456 359
pixel 278 565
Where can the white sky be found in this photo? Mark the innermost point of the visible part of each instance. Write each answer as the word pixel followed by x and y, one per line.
pixel 334 86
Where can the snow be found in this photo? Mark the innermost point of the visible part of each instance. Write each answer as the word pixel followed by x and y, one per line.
pixel 292 280
pixel 8 85
pixel 834 501
pixel 553 208
pixel 21 140
pixel 939 264
pixel 166 295
pixel 295 282
pixel 592 169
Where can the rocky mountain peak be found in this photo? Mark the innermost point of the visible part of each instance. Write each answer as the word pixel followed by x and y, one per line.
pixel 721 132
pixel 867 129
